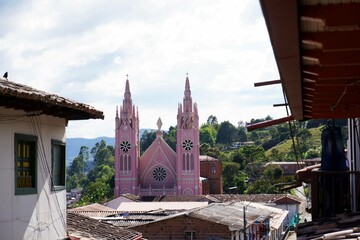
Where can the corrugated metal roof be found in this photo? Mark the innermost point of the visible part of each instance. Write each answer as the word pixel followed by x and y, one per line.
pixel 232 214
pixel 28 99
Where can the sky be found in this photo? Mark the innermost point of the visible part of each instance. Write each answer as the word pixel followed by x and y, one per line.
pixel 83 50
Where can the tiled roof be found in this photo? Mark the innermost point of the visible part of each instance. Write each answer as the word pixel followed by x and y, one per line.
pixel 124 219
pixel 152 206
pixel 338 227
pixel 87 228
pixel 260 198
pixel 207 158
pixel 92 207
pixel 184 198
pixel 22 97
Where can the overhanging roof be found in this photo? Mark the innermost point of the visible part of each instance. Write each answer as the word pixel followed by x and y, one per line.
pixel 21 97
pixel 316 44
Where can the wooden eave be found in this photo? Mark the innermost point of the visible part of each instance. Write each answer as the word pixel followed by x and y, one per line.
pixel 33 101
pixel 316 44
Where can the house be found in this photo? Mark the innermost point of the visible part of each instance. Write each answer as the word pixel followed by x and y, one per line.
pixel 218 221
pixel 32 166
pixel 289 168
pixel 316 46
pixel 211 170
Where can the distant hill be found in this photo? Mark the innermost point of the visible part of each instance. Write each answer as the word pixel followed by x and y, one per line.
pixel 73 145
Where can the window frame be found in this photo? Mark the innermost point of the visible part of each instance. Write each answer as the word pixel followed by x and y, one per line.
pixel 32 162
pixel 62 145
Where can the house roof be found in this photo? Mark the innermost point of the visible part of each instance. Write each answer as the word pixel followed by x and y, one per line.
pixel 256 198
pixel 316 44
pixel 124 219
pixel 207 158
pixel 95 207
pixel 88 228
pixel 152 206
pixel 22 97
pixel 231 214
pixel 338 227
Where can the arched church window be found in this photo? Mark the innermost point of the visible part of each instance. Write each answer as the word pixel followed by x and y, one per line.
pixel 125 146
pixel 121 163
pixel 159 174
pixel 213 168
pixel 188 145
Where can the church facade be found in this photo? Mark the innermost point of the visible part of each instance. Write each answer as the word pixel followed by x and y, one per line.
pixel 159 170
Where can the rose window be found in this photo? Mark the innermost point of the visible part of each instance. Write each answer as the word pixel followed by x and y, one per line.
pixel 159 174
pixel 125 146
pixel 188 145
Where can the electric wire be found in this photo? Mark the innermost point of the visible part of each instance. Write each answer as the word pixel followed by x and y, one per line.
pixel 36 127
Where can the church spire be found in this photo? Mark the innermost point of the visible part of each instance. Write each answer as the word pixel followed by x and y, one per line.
pixel 187 102
pixel 127 102
pixel 127 93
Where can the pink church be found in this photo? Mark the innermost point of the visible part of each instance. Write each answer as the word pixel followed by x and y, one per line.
pixel 160 170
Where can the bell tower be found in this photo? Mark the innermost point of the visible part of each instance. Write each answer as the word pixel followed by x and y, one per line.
pixel 127 146
pixel 187 147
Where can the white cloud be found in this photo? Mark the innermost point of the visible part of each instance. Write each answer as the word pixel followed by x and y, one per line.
pixel 83 49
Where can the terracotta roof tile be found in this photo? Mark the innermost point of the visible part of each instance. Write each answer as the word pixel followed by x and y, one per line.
pixel 22 97
pixel 84 227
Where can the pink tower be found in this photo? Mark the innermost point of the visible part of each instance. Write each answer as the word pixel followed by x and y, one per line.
pixel 127 146
pixel 187 147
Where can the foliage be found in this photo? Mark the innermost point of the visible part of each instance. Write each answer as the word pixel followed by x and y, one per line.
pixel 243 155
pixel 208 134
pixel 97 183
pixel 226 133
pixel 146 140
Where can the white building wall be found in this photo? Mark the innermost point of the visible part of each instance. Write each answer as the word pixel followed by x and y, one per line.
pixel 292 208
pixel 34 216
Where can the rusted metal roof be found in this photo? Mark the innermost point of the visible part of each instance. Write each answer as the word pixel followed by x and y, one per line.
pixel 87 228
pixel 22 97
pixel 316 44
pixel 232 214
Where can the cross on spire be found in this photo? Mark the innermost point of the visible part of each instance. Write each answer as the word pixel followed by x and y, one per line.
pixel 127 76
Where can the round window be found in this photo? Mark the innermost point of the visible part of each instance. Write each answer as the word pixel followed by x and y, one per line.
pixel 125 146
pixel 159 174
pixel 188 145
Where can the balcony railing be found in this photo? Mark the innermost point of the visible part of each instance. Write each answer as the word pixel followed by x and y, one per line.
pixel 334 193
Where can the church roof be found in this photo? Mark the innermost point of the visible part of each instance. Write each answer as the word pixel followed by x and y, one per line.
pixel 155 144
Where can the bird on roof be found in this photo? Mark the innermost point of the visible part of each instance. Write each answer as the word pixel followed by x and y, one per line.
pixel 5 75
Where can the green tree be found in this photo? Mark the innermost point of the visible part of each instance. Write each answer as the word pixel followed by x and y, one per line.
pixel 239 157
pixel 102 154
pixel 170 137
pixel 273 172
pixel 207 134
pixel 212 120
pixel 78 165
pixel 261 186
pixel 147 139
pixel 226 133
pixel 229 171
